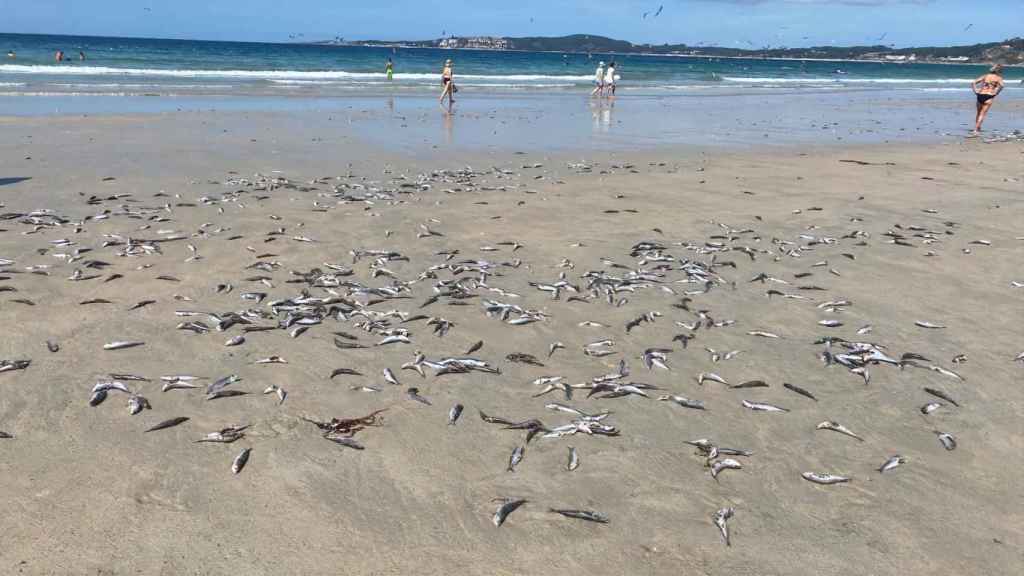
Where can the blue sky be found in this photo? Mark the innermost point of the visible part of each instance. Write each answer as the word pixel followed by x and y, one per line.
pixel 740 23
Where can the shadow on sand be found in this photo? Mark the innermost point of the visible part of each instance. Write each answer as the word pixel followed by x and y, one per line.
pixel 6 181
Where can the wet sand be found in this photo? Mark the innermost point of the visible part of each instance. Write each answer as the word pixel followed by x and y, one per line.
pixel 86 491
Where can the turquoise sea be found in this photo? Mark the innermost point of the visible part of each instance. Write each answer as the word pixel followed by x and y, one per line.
pixel 134 67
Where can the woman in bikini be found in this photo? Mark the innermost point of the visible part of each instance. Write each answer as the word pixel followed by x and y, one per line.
pixel 448 81
pixel 986 88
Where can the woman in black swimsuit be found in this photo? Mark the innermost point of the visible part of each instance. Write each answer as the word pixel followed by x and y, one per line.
pixel 448 81
pixel 986 88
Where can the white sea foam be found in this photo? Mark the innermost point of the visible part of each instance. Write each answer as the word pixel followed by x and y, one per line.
pixel 265 74
pixel 846 80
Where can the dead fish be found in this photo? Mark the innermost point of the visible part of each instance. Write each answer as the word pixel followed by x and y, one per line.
pixel 389 377
pixel 830 323
pixel 588 515
pixel 240 460
pixel 176 385
pixel 235 341
pixel 454 413
pixel 275 389
pixel 684 402
pixel 345 371
pixel 168 424
pixel 6 435
pixel 272 360
pixel 554 346
pixel 720 519
pixel 946 372
pixel 710 376
pixel 479 344
pixel 762 407
pixel 225 394
pixel 507 507
pixel 142 304
pixel 942 395
pixel 923 324
pixel 137 404
pixel 574 460
pixel 346 442
pixel 762 334
pixel 516 458
pixel 414 393
pixel 107 386
pixel 97 398
pixel 129 377
pixel 930 407
pixel 398 338
pixel 724 464
pixel 494 419
pixel 52 346
pixel 865 329
pixel 892 463
pixel 523 359
pixel 119 345
pixel 824 478
pixel 837 427
pixel 750 384
pixel 224 435
pixel 799 391
pixel 947 440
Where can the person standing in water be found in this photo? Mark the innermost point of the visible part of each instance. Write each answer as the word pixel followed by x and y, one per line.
pixel 609 79
pixel 986 87
pixel 81 56
pixel 59 56
pixel 448 81
pixel 598 80
pixel 389 69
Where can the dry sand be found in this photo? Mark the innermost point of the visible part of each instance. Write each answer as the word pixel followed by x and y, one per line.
pixel 85 491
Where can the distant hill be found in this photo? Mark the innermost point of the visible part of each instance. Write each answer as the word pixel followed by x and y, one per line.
pixel 1008 52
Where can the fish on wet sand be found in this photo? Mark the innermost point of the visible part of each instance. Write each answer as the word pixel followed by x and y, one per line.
pixel 837 427
pixel 170 423
pixel 826 479
pixel 763 407
pixel 516 457
pixel 588 515
pixel 892 463
pixel 454 413
pixel 121 345
pixel 721 519
pixel 948 440
pixel 507 507
pixel 240 461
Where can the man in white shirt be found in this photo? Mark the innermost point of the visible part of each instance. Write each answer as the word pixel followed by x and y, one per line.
pixel 598 81
pixel 609 79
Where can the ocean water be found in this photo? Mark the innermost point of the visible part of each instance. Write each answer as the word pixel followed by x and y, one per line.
pixel 148 67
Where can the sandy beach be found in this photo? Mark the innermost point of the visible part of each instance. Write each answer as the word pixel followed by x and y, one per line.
pixel 730 261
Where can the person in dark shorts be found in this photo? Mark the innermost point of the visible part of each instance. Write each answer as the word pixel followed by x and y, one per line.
pixel 986 88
